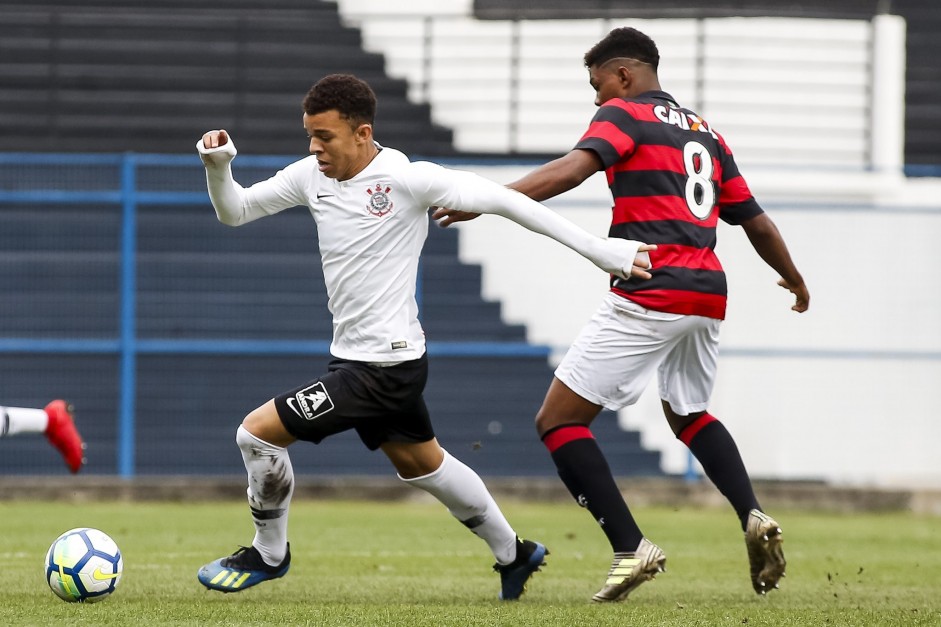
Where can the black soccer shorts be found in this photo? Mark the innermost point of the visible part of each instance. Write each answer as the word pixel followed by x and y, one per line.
pixel 383 404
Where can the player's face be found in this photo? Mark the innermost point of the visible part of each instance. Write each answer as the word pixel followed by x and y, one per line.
pixel 342 151
pixel 607 83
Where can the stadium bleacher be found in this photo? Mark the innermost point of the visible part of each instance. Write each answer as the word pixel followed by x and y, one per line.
pixel 923 44
pixel 113 76
pixel 922 85
pixel 198 279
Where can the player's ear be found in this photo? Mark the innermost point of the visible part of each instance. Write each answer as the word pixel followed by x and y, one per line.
pixel 625 77
pixel 363 132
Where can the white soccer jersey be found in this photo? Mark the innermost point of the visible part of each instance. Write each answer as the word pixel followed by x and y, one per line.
pixel 371 229
pixel 371 232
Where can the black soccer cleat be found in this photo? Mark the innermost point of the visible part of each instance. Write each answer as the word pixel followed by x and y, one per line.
pixel 514 576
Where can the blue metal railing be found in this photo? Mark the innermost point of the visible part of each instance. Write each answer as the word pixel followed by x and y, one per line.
pixel 128 319
pixel 126 345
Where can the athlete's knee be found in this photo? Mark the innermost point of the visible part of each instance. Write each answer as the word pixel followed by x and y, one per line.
pixel 554 415
pixel 678 422
pixel 252 446
pixel 265 424
pixel 546 421
pixel 254 420
pixel 563 406
pixel 243 438
pixel 687 428
pixel 414 459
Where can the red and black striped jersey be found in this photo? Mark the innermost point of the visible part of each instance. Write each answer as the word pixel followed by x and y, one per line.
pixel 672 177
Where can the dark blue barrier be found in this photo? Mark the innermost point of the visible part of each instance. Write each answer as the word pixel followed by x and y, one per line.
pixel 126 184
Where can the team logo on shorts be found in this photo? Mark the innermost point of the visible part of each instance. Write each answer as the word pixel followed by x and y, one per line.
pixel 311 402
pixel 379 202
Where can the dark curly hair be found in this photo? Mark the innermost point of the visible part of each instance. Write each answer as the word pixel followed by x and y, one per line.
pixel 352 97
pixel 624 42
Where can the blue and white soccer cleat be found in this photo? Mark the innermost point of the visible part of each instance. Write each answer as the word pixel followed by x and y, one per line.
pixel 243 569
pixel 513 576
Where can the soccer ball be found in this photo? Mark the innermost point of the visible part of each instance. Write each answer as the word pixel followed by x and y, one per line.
pixel 83 565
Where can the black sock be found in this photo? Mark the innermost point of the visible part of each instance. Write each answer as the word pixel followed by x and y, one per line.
pixel 713 446
pixel 585 472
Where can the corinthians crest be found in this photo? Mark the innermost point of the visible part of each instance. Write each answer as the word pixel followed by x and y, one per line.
pixel 379 202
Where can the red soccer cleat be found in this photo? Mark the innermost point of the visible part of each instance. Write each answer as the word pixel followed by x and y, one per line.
pixel 63 435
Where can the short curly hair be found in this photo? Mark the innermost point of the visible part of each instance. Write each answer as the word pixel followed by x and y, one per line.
pixel 624 42
pixel 352 97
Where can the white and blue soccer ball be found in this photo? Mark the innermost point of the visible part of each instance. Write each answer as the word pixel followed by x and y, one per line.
pixel 83 565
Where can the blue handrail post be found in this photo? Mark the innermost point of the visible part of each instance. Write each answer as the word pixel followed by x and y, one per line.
pixel 128 341
pixel 691 476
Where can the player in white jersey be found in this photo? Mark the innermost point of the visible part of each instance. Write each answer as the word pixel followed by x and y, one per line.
pixel 55 421
pixel 371 208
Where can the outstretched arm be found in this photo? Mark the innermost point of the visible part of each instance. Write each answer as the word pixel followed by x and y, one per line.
pixel 546 181
pixel 465 191
pixel 558 176
pixel 768 243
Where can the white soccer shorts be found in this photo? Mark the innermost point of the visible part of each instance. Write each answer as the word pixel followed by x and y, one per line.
pixel 615 355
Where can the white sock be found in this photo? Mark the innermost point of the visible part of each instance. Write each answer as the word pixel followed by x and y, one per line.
pixel 270 486
pixel 15 420
pixel 463 492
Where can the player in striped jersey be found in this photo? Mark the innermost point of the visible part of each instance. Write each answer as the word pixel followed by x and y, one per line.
pixel 672 178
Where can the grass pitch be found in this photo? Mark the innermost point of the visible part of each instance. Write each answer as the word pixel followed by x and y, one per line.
pixel 370 563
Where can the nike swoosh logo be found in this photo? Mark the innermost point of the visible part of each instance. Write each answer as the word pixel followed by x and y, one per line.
pixel 97 575
pixel 319 196
pixel 292 404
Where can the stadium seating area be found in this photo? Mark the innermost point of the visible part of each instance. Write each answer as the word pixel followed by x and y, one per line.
pixel 200 280
pixel 115 75
pixel 922 85
pixel 120 75
pixel 519 86
pixel 923 44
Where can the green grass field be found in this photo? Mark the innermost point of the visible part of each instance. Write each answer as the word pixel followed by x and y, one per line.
pixel 370 563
